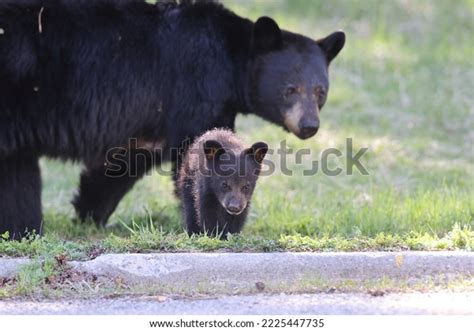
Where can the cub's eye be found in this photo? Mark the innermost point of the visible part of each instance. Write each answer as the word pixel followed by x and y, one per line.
pixel 319 91
pixel 290 90
pixel 245 188
pixel 225 186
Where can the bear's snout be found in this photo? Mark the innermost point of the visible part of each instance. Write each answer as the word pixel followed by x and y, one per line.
pixel 234 206
pixel 302 120
pixel 308 127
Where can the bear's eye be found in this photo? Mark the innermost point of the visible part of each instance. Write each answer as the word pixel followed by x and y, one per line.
pixel 245 188
pixel 319 91
pixel 290 90
pixel 225 186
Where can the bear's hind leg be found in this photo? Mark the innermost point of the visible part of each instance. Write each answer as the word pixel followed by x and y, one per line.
pixel 20 196
pixel 99 195
pixel 100 191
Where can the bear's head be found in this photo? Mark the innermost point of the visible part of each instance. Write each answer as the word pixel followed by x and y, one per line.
pixel 288 78
pixel 234 173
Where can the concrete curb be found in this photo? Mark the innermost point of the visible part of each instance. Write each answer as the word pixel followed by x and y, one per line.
pixel 242 270
pixel 188 269
pixel 9 266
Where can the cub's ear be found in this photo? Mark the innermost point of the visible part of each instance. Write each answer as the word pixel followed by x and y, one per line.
pixel 212 149
pixel 332 44
pixel 258 151
pixel 266 36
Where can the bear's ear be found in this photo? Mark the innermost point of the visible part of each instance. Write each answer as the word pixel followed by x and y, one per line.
pixel 258 151
pixel 266 36
pixel 212 149
pixel 332 44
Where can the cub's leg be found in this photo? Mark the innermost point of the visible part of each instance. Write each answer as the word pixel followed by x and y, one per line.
pixel 189 208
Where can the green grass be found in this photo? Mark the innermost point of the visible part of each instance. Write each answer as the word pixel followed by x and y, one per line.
pixel 402 87
pixel 146 238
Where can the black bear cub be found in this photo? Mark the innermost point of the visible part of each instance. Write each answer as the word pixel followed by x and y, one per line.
pixel 216 182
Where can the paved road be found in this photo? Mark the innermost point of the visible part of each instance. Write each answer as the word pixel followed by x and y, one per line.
pixel 321 304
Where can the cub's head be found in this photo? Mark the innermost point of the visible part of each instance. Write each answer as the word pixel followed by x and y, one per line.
pixel 288 82
pixel 233 174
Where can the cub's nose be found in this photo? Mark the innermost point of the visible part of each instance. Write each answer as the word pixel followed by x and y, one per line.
pixel 308 128
pixel 234 207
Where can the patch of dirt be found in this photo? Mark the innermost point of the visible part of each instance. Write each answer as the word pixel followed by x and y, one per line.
pixel 69 276
pixel 377 293
pixel 94 252
pixel 6 282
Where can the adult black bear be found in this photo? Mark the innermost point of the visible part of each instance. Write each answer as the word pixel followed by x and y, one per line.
pixel 216 182
pixel 78 78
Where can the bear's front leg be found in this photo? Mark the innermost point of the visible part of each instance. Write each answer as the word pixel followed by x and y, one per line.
pixel 212 218
pixel 101 189
pixel 20 196
pixel 189 208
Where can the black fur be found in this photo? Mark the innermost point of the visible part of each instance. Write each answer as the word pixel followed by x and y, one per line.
pixel 20 187
pixel 78 78
pixel 216 182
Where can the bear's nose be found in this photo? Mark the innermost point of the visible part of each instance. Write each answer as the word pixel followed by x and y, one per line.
pixel 308 128
pixel 234 207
